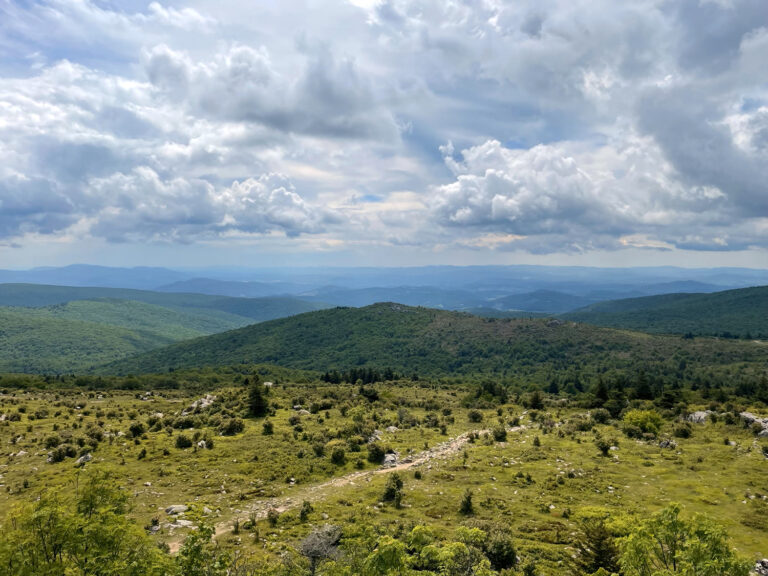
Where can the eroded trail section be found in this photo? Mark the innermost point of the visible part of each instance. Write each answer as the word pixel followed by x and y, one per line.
pixel 317 492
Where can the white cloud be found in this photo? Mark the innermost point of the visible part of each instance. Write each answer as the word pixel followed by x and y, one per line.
pixel 582 124
pixel 142 205
pixel 565 197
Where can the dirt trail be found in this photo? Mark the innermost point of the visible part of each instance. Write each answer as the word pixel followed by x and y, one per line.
pixel 317 492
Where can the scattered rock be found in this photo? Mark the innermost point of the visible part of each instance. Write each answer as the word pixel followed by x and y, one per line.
pixel 699 417
pixel 375 437
pixel 200 404
pixel 84 459
pixel 761 568
pixel 392 429
pixel 183 523
pixel 202 445
pixel 304 412
pixel 20 453
pixel 297 407
pixel 176 509
pixel 666 443
pixel 207 510
pixel 390 460
pixel 269 384
pixel 750 419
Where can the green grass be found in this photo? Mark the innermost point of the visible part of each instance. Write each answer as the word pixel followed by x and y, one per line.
pixel 740 313
pixel 250 471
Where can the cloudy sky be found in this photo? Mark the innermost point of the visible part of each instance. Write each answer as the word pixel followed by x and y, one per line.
pixel 384 132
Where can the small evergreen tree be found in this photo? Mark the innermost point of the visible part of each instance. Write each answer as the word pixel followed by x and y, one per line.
pixel 466 506
pixel 257 403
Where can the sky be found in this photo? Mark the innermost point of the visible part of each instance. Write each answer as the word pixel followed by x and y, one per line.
pixel 384 132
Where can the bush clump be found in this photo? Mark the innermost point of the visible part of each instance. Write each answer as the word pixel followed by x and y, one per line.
pixel 231 426
pixel 183 441
pixel 644 421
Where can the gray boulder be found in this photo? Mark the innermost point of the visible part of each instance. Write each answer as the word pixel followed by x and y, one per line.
pixel 761 568
pixel 699 417
pixel 84 459
pixel 176 509
pixel 390 460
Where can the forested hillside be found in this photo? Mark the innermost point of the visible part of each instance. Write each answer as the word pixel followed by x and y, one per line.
pixel 433 342
pixel 58 328
pixel 741 313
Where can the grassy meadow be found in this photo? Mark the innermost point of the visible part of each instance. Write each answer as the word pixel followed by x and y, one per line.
pixel 533 473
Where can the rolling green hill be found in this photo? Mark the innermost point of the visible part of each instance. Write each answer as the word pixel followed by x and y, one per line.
pixel 250 309
pixel 167 323
pixel 434 342
pixel 64 329
pixel 36 341
pixel 741 313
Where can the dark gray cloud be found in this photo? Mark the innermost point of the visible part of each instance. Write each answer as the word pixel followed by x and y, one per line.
pixel 329 97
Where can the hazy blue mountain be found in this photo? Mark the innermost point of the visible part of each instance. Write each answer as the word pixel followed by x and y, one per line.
pixel 443 286
pixel 86 275
pixel 234 288
pixel 428 296
pixel 548 301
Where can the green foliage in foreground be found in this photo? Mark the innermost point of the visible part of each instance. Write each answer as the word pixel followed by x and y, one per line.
pixel 268 495
pixel 85 535
pixel 741 313
pixel 90 535
pixel 667 544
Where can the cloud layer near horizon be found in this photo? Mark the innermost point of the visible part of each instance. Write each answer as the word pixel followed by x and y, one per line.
pixel 544 127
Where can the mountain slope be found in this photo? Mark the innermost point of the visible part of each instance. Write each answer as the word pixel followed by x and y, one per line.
pixel 57 328
pixel 167 323
pixel 437 342
pixel 39 342
pixel 742 312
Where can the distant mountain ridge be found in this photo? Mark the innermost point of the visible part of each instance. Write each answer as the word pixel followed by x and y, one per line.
pixel 446 287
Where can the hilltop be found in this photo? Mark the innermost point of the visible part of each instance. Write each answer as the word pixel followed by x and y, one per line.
pixel 436 342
